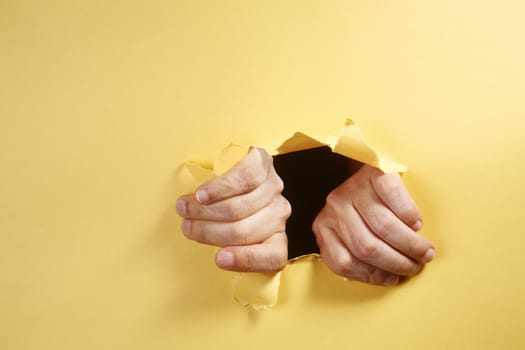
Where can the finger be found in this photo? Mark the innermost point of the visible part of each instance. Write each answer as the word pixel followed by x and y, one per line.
pixel 366 246
pixel 244 177
pixel 338 259
pixel 269 256
pixel 392 191
pixel 251 230
pixel 231 209
pixel 390 228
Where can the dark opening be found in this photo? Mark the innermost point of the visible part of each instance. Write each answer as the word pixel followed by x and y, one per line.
pixel 309 176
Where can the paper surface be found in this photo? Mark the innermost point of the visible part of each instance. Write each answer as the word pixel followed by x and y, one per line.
pixel 94 118
pixel 260 290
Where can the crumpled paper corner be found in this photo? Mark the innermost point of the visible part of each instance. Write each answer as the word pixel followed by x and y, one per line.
pixel 260 290
pixel 350 144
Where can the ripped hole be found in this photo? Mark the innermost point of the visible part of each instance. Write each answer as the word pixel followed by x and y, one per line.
pixel 309 176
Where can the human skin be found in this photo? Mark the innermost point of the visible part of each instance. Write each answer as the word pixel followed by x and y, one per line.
pixel 367 230
pixel 244 213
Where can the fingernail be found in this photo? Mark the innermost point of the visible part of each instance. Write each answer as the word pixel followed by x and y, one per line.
pixel 202 196
pixel 391 280
pixel 417 226
pixel 224 259
pixel 429 256
pixel 181 207
pixel 186 227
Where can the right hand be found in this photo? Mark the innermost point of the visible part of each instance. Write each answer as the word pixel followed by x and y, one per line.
pixel 244 213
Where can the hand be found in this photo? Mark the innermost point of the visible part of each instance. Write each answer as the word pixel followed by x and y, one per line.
pixel 243 212
pixel 367 229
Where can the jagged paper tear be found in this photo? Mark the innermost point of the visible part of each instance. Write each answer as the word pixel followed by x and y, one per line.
pixel 260 290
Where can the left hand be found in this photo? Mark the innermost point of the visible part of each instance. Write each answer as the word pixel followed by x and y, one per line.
pixel 367 230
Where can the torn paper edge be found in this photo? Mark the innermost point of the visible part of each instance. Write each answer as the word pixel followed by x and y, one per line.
pixel 260 290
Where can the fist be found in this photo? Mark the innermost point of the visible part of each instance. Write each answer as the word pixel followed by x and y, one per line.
pixel 367 230
pixel 244 213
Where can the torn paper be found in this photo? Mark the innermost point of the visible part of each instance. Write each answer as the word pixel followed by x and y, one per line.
pixel 260 290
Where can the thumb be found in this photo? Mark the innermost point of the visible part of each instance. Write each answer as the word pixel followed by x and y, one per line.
pixel 268 256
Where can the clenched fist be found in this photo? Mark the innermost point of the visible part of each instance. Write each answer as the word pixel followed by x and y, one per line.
pixel 244 213
pixel 367 230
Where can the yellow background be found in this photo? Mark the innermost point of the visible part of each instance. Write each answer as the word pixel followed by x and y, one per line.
pixel 101 101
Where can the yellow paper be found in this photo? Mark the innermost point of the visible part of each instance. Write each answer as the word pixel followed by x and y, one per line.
pixel 260 290
pixel 100 101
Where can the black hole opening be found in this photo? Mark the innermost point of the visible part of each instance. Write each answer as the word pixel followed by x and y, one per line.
pixel 309 176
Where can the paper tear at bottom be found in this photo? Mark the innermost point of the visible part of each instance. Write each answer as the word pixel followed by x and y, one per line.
pixel 257 290
pixel 260 291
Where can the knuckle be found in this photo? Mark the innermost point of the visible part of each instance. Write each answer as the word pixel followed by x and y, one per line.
pixel 331 200
pixel 376 276
pixel 316 225
pixel 281 209
pixel 414 269
pixel 411 208
pixel 192 210
pixel 365 249
pixel 342 264
pixel 278 261
pixel 412 250
pixel 411 212
pixel 197 232
pixel 279 184
pixel 229 211
pixel 318 239
pixel 388 186
pixel 264 157
pixel 383 226
pixel 407 209
pixel 234 210
pixel 250 177
pixel 417 247
pixel 246 260
pixel 286 208
pixel 237 234
pixel 407 268
pixel 320 222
